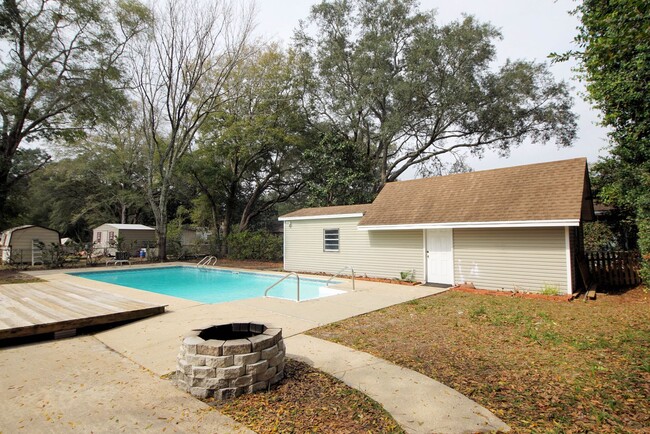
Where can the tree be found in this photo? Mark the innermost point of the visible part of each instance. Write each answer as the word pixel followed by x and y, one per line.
pixel 59 66
pixel 338 174
pixel 101 180
pixel 250 150
pixel 598 237
pixel 97 179
pixel 614 57
pixel 26 161
pixel 67 196
pixel 407 91
pixel 112 154
pixel 178 71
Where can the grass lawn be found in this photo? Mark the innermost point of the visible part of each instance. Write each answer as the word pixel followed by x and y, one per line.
pixel 541 366
pixel 308 400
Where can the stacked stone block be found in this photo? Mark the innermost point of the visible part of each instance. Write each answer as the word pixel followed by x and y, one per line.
pixel 228 368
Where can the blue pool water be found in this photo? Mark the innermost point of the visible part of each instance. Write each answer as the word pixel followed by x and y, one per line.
pixel 210 285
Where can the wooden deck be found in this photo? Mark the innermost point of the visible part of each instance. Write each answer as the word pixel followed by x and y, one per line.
pixel 35 308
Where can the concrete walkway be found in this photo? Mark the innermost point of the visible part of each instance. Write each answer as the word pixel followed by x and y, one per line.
pixel 418 403
pixel 80 385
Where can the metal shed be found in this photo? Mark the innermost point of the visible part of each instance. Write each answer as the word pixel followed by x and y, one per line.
pixel 22 244
pixel 133 237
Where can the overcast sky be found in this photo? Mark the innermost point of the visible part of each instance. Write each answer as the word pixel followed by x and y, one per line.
pixel 531 30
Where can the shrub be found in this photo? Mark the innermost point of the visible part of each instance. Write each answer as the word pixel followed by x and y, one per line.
pixel 257 245
pixel 407 276
pixel 15 262
pixel 53 255
pixel 644 247
pixel 598 236
pixel 548 289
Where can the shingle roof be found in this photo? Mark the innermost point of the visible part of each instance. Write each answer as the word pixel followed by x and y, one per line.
pixel 327 211
pixel 534 192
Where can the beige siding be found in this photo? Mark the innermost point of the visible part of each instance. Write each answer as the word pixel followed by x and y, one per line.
pixel 134 239
pixel 516 258
pixel 374 253
pixel 21 242
pixel 105 230
pixel 188 237
pixel 574 246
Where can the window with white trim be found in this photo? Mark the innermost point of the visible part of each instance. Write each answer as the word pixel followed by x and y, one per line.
pixel 331 240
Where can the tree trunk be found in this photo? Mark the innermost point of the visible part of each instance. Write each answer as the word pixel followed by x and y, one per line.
pixel 4 192
pixel 225 230
pixel 159 208
pixel 231 203
pixel 383 175
pixel 8 148
pixel 215 219
pixel 245 221
pixel 161 235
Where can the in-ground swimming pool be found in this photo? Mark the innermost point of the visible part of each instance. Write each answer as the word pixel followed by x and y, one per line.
pixel 208 285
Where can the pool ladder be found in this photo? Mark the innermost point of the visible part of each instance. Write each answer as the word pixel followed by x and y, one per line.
pixel 347 267
pixel 280 280
pixel 207 261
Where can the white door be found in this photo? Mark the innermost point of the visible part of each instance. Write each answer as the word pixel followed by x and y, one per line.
pixel 440 260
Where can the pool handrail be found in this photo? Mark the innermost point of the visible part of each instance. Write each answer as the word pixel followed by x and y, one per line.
pixel 207 261
pixel 347 267
pixel 284 277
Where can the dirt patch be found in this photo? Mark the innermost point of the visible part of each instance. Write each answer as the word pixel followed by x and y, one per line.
pixel 472 290
pixel 539 365
pixel 366 278
pixel 14 276
pixel 381 280
pixel 308 400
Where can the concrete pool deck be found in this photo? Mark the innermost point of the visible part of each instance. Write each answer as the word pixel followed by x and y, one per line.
pixel 153 344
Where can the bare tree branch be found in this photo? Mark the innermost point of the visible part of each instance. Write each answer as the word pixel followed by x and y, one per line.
pixel 179 71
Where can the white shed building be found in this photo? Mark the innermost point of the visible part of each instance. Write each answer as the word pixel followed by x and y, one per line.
pixel 132 236
pixel 22 244
pixel 518 228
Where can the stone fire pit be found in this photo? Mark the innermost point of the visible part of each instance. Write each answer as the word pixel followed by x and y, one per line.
pixel 227 360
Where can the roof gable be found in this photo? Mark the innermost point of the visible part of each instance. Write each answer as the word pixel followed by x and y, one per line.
pixel 23 227
pixel 326 211
pixel 6 235
pixel 540 192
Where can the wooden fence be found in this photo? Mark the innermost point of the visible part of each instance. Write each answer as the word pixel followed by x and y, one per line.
pixel 614 268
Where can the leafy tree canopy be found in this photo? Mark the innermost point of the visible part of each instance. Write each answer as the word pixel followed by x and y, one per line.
pixel 250 151
pixel 614 56
pixel 338 175
pixel 59 67
pixel 406 90
pixel 25 162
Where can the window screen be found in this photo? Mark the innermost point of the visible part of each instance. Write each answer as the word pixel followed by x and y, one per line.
pixel 331 240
